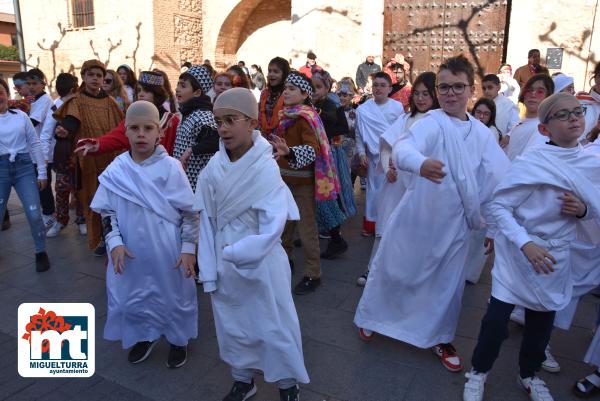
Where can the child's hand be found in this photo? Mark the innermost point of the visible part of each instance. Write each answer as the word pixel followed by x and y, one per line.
pixel 488 243
pixel 42 184
pixel 118 258
pixel 185 157
pixel 187 261
pixel 85 146
pixel 432 170
pixel 540 259
pixel 364 162
pixel 61 132
pixel 572 205
pixel 504 141
pixel 280 148
pixel 392 174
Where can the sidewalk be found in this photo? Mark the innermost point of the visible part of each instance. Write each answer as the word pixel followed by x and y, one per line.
pixel 340 365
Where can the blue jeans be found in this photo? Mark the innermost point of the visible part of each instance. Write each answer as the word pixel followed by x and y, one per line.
pixel 21 175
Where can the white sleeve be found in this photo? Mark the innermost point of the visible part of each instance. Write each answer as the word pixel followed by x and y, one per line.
pixel 248 252
pixel 502 208
pixel 35 148
pixel 207 260
pixel 513 118
pixel 410 153
pixel 47 134
pixel 360 145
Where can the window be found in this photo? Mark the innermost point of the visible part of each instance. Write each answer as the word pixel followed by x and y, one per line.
pixel 83 13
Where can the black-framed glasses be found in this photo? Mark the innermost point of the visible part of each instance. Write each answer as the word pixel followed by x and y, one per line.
pixel 457 88
pixel 228 121
pixel 565 114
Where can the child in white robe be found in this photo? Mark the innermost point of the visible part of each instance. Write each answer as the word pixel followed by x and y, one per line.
pixel 537 207
pixel 372 119
pixel 244 205
pixel 145 200
pixel 526 134
pixel 421 100
pixel 415 286
pixel 507 113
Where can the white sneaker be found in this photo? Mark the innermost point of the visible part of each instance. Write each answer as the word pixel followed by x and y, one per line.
pixel 550 364
pixel 55 230
pixel 82 229
pixel 535 387
pixel 49 220
pixel 474 386
pixel 518 315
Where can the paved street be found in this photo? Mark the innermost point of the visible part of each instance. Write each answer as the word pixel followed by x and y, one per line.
pixel 340 365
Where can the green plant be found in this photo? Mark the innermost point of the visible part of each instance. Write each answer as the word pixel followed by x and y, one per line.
pixel 9 53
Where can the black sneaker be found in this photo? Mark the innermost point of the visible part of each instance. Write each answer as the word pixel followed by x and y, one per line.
pixel 290 394
pixel 141 351
pixel 241 391
pixel 100 249
pixel 42 263
pixel 335 248
pixel 177 356
pixel 307 285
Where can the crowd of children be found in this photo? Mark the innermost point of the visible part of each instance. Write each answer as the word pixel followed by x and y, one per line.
pixel 218 183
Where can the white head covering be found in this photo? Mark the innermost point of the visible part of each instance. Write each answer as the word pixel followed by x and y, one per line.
pixel 561 81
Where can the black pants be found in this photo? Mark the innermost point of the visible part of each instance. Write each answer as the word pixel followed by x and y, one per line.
pixel 494 330
pixel 46 196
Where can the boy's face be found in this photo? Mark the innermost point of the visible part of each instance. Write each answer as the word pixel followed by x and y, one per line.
pixel 292 95
pixel 185 91
pixel 565 123
pixel 235 129
pixel 222 84
pixel 22 90
pixel 93 79
pixel 35 86
pixel 490 89
pixel 143 138
pixel 448 84
pixel 321 90
pixel 534 95
pixel 381 89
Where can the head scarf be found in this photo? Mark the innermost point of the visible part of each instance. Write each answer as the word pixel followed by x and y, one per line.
pixel 88 65
pixel 301 82
pixel 561 81
pixel 151 78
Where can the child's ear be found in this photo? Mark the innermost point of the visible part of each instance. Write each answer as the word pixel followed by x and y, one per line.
pixel 544 130
pixel 198 93
pixel 253 123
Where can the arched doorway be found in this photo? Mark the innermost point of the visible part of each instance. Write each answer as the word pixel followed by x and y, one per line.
pixel 248 17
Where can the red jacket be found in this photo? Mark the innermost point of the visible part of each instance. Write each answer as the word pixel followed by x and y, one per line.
pixel 117 140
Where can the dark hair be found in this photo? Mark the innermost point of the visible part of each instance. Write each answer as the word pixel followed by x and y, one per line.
pixel 257 68
pixel 210 70
pixel 22 75
pixel 491 78
pixel 187 64
pixel 427 79
pixel 311 55
pixel 457 65
pixel 545 78
pixel 191 80
pixel 504 65
pixel 5 86
pixel 65 83
pixel 594 73
pixel 159 92
pixel 283 65
pixel 240 78
pixel 490 105
pixel 37 74
pixel 131 79
pixel 243 63
pixel 396 66
pixel 168 90
pixel 383 75
pixel 532 51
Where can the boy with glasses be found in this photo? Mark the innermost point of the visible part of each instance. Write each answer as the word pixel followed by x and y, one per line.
pixel 537 207
pixel 455 165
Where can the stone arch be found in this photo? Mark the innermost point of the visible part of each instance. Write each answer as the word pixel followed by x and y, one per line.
pixel 246 18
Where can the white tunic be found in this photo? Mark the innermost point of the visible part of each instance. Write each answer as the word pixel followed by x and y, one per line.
pixel 150 202
pixel 372 120
pixel 526 208
pixel 416 281
pixel 523 136
pixel 243 209
pixel 507 114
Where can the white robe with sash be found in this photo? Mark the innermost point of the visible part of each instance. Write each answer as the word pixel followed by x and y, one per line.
pixel 524 136
pixel 526 208
pixel 150 298
pixel 415 285
pixel 372 120
pixel 243 209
